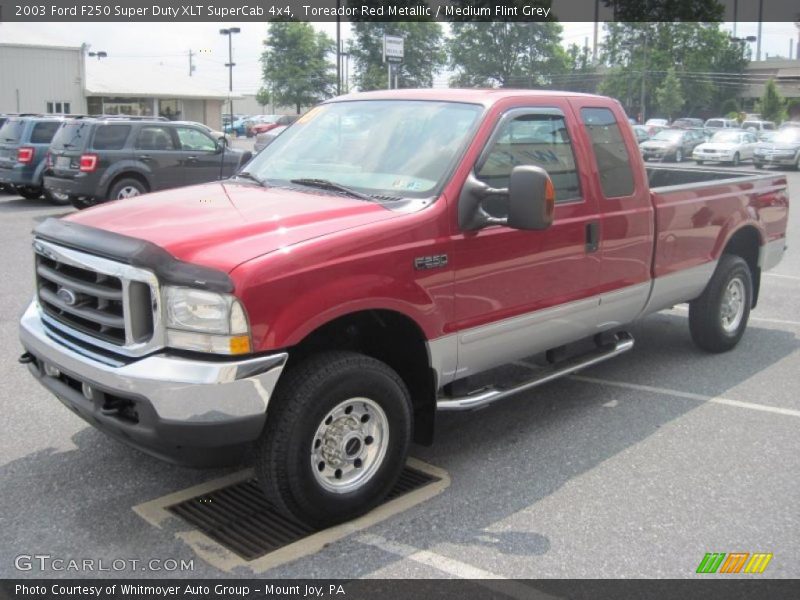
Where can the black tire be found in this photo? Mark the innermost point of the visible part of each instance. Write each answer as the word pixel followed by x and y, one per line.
pixel 736 160
pixel 29 193
pixel 706 318
pixel 57 199
pixel 80 202
pixel 307 394
pixel 759 165
pixel 125 188
pixel 699 162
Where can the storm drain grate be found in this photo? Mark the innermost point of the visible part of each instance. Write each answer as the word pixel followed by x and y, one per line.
pixel 241 519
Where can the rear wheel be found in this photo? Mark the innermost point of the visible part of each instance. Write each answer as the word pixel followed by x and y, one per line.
pixel 56 198
pixel 81 202
pixel 718 318
pixel 29 192
pixel 336 439
pixel 126 188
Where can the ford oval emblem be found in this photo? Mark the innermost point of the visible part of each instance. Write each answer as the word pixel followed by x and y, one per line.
pixel 68 297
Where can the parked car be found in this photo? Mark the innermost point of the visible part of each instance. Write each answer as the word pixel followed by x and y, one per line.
pixel 278 121
pixel 238 127
pixel 758 127
pixel 316 314
pixel 727 145
pixel 656 125
pixel 94 160
pixel 641 133
pixel 711 126
pixel 687 123
pixel 217 135
pixel 24 141
pixel 781 150
pixel 788 124
pixel 672 144
pixel 265 138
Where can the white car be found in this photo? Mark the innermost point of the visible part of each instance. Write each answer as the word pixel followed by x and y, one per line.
pixel 728 145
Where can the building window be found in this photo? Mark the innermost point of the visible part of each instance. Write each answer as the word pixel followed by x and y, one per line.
pixel 58 108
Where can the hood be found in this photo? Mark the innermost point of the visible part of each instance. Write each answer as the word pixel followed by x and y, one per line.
pixel 656 144
pixel 222 225
pixel 724 146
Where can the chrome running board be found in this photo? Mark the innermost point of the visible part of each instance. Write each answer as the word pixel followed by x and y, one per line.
pixel 486 396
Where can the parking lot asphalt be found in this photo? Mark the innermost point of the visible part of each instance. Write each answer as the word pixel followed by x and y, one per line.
pixel 634 468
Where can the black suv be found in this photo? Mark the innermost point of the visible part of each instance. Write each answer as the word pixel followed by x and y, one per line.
pixel 24 140
pixel 93 160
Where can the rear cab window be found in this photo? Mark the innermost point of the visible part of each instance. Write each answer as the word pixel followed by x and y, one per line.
pixel 72 136
pixel 611 154
pixel 11 131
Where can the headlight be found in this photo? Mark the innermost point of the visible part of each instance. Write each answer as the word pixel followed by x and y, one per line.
pixel 205 321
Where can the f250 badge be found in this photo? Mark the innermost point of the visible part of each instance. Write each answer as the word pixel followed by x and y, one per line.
pixel 422 263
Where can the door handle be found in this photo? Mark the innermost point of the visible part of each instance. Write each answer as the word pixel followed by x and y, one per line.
pixel 592 236
pixel 191 159
pixel 144 156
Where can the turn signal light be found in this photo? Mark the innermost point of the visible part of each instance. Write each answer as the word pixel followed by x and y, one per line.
pixel 240 344
pixel 88 163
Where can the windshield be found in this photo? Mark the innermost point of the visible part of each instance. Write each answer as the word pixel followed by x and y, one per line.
pixel 379 147
pixel 726 136
pixel 667 136
pixel 11 131
pixel 71 135
pixel 790 135
pixel 715 123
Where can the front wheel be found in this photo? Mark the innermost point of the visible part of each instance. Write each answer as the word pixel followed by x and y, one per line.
pixel 718 318
pixel 337 436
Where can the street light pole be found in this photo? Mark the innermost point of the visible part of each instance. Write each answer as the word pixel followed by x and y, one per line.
pixel 230 64
pixel 644 78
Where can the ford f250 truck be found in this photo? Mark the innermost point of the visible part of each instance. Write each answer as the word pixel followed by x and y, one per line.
pixel 356 276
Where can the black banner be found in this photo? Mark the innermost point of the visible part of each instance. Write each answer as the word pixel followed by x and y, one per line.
pixel 401 589
pixel 397 10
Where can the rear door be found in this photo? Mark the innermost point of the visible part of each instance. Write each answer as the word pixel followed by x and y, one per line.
pixel 626 222
pixel 519 292
pixel 200 160
pixel 157 148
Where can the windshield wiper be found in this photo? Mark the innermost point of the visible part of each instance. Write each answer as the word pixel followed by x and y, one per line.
pixel 250 176
pixel 333 186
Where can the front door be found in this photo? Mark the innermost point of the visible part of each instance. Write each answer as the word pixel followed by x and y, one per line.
pixel 199 156
pixel 519 292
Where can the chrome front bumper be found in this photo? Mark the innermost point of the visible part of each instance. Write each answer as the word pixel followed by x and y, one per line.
pixel 180 403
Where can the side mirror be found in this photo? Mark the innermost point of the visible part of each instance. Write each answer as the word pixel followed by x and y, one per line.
pixel 245 157
pixel 220 146
pixel 530 196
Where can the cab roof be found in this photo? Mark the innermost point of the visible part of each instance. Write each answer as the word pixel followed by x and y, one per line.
pixel 486 97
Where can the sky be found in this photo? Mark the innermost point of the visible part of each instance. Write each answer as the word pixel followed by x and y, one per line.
pixel 168 45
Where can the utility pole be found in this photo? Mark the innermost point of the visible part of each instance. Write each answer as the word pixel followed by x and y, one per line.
pixel 191 65
pixel 760 19
pixel 596 25
pixel 338 49
pixel 230 64
pixel 644 78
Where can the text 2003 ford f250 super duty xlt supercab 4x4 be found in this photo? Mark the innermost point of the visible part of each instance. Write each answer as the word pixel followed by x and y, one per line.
pixel 381 252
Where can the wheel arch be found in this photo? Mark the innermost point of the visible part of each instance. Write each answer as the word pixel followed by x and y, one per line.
pixel 391 337
pixel 746 243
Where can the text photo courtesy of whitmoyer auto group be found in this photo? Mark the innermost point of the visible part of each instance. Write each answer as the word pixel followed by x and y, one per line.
pixel 381 299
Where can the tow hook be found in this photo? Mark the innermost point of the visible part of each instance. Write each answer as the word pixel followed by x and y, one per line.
pixel 26 359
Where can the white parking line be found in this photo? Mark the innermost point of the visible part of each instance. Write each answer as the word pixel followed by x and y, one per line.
pixel 781 276
pixel 456 568
pixel 788 412
pixel 684 310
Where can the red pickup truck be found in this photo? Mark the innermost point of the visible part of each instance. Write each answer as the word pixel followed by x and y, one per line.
pixel 363 269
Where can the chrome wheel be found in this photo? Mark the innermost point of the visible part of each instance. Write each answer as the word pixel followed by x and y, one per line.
pixel 349 445
pixel 128 191
pixel 732 309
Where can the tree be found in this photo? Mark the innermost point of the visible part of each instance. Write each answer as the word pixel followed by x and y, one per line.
pixel 771 103
pixel 263 96
pixel 729 107
pixel 669 97
pixel 423 51
pixel 506 54
pixel 706 60
pixel 295 64
pixel 666 10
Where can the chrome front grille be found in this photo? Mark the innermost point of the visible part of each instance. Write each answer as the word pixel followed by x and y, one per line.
pixel 102 302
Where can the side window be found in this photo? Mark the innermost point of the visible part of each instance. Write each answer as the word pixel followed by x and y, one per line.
pixel 43 132
pixel 611 154
pixel 535 138
pixel 111 137
pixel 154 138
pixel 192 139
